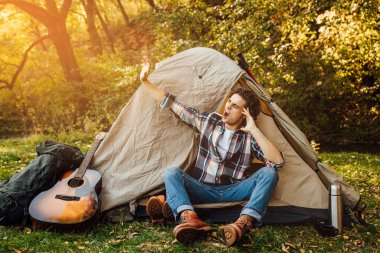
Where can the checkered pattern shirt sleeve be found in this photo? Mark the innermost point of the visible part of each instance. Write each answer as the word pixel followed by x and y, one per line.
pixel 192 117
pixel 259 154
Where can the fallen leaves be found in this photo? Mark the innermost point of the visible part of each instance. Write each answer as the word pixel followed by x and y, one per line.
pixel 27 230
pixel 359 243
pixel 214 244
pixel 113 241
pixel 132 235
pixel 153 247
pixel 284 248
pixel 287 247
pixel 290 245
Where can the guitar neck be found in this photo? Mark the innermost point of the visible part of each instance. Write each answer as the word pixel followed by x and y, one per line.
pixel 86 161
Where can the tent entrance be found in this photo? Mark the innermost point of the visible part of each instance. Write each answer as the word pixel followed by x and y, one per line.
pixel 229 212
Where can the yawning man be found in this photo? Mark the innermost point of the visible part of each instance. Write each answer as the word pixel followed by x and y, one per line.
pixel 228 143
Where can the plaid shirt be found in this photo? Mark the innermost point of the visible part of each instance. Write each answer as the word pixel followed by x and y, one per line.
pixel 210 167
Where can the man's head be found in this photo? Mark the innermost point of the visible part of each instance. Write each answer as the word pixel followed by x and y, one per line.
pixel 241 98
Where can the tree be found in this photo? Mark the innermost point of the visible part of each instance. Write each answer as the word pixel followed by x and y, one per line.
pixel 55 22
pixel 123 12
pixel 10 85
pixel 105 29
pixel 89 7
pixel 152 4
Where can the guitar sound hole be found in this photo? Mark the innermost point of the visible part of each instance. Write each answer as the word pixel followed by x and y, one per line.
pixel 75 182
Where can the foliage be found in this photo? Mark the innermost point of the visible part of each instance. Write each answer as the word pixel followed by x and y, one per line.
pixel 361 170
pixel 52 107
pixel 333 71
pixel 318 59
pixel 43 102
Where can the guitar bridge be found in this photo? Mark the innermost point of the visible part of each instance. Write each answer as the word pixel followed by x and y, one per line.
pixel 67 198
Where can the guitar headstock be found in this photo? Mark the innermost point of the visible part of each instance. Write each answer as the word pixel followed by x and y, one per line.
pixel 101 135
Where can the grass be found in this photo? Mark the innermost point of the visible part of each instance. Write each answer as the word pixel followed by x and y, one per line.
pixel 361 170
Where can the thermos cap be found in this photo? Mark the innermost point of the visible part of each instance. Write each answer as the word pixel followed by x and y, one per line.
pixel 335 189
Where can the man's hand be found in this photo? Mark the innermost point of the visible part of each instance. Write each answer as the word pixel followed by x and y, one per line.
pixel 157 92
pixel 145 72
pixel 270 151
pixel 251 125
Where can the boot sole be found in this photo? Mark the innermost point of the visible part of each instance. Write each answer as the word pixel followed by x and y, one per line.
pixel 187 235
pixel 229 235
pixel 154 210
pixel 167 213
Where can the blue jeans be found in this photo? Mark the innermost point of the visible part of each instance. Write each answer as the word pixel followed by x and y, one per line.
pixel 182 191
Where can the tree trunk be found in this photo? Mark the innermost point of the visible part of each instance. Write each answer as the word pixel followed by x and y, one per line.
pixel 89 7
pixel 106 30
pixel 61 40
pixel 152 4
pixel 123 12
pixel 55 22
pixel 100 9
pixel 214 2
pixel 37 32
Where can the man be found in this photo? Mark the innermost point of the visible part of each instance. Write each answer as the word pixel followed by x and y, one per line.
pixel 228 143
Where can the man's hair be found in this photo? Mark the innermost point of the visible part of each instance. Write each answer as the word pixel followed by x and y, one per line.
pixel 252 101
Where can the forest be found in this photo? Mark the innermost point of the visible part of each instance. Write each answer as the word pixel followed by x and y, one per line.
pixel 67 68
pixel 72 65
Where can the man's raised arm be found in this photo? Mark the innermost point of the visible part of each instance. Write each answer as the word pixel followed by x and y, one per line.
pixel 188 115
pixel 157 92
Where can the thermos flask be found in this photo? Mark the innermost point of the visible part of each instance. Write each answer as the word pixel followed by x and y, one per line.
pixel 336 207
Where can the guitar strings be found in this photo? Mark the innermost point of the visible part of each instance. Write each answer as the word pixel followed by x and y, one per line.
pixel 75 181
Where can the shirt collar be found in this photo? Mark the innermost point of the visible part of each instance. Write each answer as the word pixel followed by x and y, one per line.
pixel 221 126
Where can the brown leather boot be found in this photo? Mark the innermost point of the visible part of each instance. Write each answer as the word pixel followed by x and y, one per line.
pixel 232 233
pixel 158 210
pixel 167 213
pixel 191 228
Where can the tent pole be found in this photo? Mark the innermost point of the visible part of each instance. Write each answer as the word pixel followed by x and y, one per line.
pixel 244 65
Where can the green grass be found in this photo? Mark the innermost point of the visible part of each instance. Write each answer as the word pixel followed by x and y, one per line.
pixel 361 170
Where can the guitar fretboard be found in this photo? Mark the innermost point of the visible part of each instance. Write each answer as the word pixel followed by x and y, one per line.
pixel 86 161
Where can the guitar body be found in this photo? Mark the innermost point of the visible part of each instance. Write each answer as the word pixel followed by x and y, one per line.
pixel 66 207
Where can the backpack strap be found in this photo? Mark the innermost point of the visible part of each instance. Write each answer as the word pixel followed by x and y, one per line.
pixel 324 228
pixel 25 218
pixel 359 214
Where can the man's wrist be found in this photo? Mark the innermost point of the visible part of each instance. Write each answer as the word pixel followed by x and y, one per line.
pixel 167 100
pixel 254 130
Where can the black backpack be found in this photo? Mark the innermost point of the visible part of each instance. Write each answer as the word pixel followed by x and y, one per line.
pixel 40 174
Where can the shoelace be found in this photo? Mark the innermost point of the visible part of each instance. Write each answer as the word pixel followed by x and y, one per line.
pixel 243 224
pixel 186 217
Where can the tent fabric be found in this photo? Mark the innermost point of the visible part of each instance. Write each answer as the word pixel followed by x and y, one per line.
pixel 145 140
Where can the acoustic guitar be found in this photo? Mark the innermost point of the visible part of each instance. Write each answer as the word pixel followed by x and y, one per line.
pixel 72 203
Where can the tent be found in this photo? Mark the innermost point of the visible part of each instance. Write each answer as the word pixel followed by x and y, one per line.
pixel 145 140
